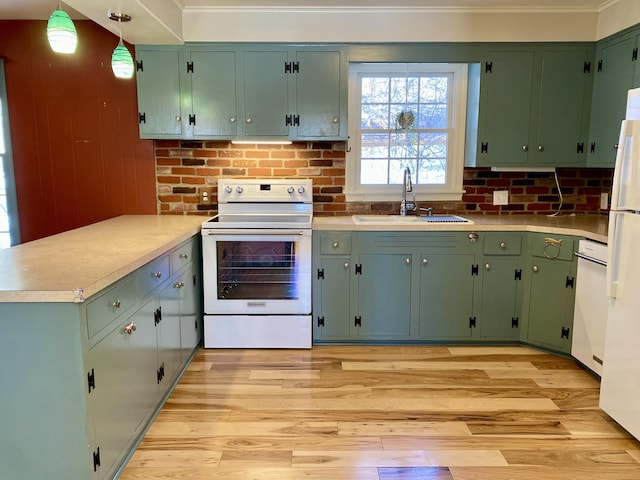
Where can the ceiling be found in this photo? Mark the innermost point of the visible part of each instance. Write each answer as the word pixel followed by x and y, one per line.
pixel 41 9
pixel 164 21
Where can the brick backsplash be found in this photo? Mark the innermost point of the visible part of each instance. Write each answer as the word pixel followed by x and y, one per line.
pixel 183 168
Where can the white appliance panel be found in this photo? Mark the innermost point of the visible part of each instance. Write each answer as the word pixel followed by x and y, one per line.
pixel 258 306
pixel 591 304
pixel 620 389
pixel 257 331
pixel 626 178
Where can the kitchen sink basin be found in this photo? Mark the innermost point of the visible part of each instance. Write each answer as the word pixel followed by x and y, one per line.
pixel 383 219
pixel 444 219
pixel 409 219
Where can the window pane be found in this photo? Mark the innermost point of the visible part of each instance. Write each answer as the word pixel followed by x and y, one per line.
pixel 433 116
pixel 396 171
pixel 433 171
pixel 375 116
pixel 374 172
pixel 375 90
pixel 404 144
pixel 405 90
pixel 434 89
pixel 433 145
pixel 374 146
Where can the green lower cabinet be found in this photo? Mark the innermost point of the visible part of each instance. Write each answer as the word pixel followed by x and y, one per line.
pixel 498 317
pixel 384 296
pixel 123 369
pixel 331 319
pixel 549 292
pixel 444 287
pixel 168 332
pixel 446 296
pixel 190 316
pixel 550 306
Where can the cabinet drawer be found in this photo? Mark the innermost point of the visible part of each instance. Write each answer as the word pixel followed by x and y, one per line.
pixel 182 256
pixel 110 305
pixel 153 274
pixel 335 244
pixel 502 244
pixel 552 246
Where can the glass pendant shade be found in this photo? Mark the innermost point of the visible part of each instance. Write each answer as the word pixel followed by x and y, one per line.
pixel 61 32
pixel 122 62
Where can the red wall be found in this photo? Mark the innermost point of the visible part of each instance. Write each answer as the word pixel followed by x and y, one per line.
pixel 76 152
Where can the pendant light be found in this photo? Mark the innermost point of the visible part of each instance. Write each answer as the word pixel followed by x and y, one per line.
pixel 121 59
pixel 61 32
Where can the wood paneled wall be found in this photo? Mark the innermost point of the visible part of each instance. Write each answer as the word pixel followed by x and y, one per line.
pixel 74 132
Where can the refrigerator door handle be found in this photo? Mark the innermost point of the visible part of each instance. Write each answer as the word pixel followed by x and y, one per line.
pixel 625 195
pixel 613 253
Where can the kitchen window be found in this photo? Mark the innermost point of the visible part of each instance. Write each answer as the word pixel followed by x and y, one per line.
pixel 9 232
pixel 406 115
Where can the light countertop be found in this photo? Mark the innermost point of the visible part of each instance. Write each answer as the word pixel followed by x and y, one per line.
pixel 593 227
pixel 73 265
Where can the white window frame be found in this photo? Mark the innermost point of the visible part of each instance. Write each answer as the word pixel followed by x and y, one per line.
pixel 452 190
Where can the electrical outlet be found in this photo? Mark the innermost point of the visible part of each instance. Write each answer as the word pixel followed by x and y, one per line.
pixel 501 197
pixel 604 201
pixel 206 195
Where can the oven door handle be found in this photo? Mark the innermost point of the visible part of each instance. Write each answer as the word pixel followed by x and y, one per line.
pixel 249 231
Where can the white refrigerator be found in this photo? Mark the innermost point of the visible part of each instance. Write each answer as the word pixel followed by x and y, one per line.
pixel 620 388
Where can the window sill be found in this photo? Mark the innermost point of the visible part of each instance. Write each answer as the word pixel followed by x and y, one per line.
pixel 441 196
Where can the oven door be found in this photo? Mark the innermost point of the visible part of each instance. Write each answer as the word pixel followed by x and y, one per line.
pixel 256 272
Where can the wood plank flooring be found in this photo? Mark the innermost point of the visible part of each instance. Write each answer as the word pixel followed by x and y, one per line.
pixel 385 413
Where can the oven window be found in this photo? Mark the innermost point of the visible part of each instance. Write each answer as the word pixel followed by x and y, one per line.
pixel 249 269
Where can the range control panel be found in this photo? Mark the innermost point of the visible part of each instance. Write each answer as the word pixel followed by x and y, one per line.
pixel 267 190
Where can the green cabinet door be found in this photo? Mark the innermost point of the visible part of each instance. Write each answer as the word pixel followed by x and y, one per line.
pixel 505 103
pixel 168 332
pixel 124 369
pixel 446 296
pixel 319 95
pixel 159 95
pixel 550 306
pixel 613 79
pixel 384 296
pixel 266 93
pixel 331 311
pixel 212 105
pixel 562 122
pixel 189 313
pixel 498 318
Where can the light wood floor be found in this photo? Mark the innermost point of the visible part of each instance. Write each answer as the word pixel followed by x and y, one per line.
pixel 385 413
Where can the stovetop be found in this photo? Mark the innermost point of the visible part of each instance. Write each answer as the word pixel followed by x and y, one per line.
pixel 268 190
pixel 263 203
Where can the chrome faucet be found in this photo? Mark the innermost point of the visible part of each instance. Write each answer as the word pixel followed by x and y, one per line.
pixel 406 187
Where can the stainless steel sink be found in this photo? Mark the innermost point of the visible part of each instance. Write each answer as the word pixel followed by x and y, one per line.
pixel 409 219
pixel 444 219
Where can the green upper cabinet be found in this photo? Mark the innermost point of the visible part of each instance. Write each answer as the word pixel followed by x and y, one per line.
pixel 534 107
pixel 295 94
pixel 615 64
pixel 563 109
pixel 505 102
pixel 231 92
pixel 265 75
pixel 321 95
pixel 210 101
pixel 159 94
